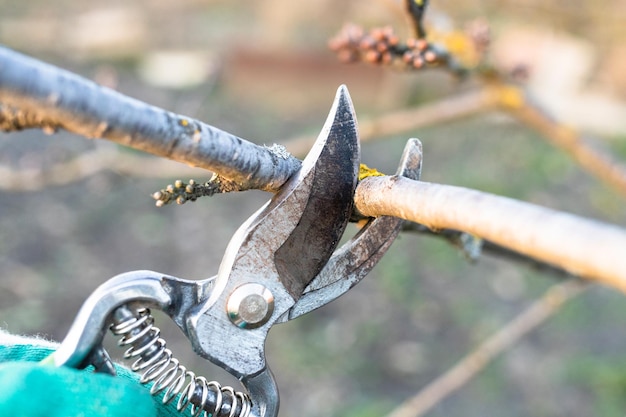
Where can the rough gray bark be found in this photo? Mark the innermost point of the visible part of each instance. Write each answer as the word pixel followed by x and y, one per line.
pixel 49 97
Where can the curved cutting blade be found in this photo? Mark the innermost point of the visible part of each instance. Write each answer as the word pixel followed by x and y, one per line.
pixel 333 164
pixel 281 248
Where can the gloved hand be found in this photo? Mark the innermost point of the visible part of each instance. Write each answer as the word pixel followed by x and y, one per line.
pixel 31 389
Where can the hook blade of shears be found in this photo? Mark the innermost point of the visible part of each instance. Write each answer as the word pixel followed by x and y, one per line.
pixel 355 259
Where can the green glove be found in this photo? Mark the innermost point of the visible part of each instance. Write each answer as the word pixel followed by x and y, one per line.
pixel 31 389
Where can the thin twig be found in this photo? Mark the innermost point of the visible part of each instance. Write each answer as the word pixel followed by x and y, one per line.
pixel 468 367
pixel 382 47
pixel 442 111
pixel 495 95
pixel 64 100
pixel 581 246
pixel 416 10
pixel 590 155
pixel 88 164
pixel 474 247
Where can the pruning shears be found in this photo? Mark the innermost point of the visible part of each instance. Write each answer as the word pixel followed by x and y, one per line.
pixel 282 262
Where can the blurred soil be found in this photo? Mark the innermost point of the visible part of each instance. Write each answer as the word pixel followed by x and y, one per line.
pixel 261 70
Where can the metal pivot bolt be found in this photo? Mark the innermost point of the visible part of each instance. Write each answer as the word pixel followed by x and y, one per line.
pixel 250 306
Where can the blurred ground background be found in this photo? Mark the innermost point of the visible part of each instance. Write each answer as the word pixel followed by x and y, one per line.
pixel 261 70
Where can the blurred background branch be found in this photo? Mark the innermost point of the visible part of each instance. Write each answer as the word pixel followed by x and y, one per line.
pixel 102 158
pixel 382 47
pixel 476 361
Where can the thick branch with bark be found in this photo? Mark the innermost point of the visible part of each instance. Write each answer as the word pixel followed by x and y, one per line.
pixel 54 98
pixel 583 247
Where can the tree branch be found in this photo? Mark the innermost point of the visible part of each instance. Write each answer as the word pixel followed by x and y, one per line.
pixel 444 110
pixel 589 154
pixel 478 359
pixel 382 47
pixel 474 247
pixel 416 10
pixel 52 98
pixel 46 95
pixel 583 247
pixel 88 164
pixel 496 95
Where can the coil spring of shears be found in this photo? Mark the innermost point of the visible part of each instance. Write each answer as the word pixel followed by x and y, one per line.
pixel 156 364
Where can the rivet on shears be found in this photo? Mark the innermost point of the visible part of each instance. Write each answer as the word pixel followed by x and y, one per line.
pixel 250 306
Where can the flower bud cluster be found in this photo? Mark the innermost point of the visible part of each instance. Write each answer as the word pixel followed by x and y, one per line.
pixel 420 53
pixel 181 192
pixel 353 44
pixel 383 46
